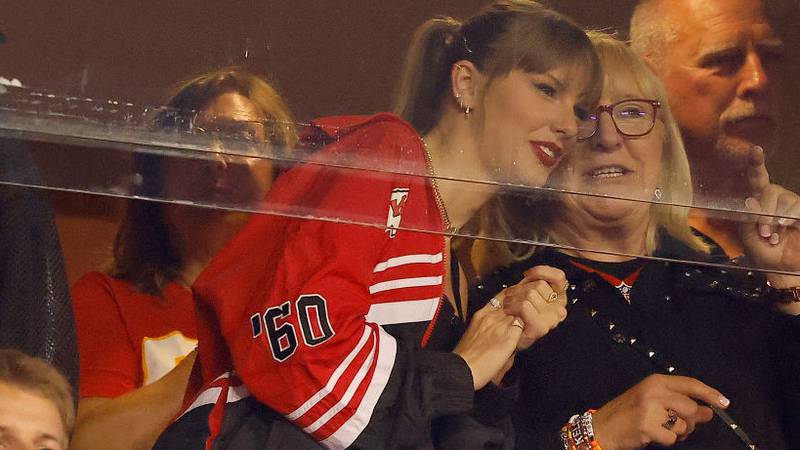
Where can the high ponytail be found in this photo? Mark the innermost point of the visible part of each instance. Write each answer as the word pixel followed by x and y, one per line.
pixel 425 73
pixel 505 35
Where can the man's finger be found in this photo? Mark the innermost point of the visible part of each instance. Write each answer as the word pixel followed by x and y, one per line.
pixel 769 205
pixel 757 174
pixel 787 203
pixel 789 217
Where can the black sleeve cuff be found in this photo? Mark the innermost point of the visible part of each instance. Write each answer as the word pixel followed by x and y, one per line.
pixel 453 390
pixel 493 403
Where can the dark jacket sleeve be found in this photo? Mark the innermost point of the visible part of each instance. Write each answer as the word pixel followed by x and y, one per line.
pixel 428 388
pixel 493 403
pixel 488 427
pixel 35 309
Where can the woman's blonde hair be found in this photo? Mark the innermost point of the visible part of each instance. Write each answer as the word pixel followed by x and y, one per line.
pixel 504 36
pixel 526 215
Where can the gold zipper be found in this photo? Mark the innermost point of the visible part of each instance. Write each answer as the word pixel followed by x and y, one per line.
pixel 436 195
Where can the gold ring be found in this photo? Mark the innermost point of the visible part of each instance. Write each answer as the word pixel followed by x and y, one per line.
pixel 566 287
pixel 553 297
pixel 518 324
pixel 496 304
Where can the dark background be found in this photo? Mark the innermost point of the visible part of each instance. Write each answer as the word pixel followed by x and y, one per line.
pixel 325 56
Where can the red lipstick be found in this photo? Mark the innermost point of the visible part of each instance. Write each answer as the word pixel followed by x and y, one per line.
pixel 548 153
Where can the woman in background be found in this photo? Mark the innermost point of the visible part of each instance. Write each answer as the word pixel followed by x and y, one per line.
pixel 136 324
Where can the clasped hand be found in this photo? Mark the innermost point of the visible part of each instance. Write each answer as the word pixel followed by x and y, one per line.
pixel 514 319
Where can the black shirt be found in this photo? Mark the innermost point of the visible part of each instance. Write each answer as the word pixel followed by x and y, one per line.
pixel 698 321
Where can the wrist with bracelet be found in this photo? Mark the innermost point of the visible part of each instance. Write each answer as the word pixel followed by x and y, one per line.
pixel 578 433
pixel 784 295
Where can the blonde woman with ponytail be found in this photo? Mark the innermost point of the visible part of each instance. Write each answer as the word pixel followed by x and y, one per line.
pixel 386 357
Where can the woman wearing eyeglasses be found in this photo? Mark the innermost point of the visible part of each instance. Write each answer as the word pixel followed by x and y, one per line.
pixel 648 347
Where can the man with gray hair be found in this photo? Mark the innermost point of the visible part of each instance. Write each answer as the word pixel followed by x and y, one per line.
pixel 720 63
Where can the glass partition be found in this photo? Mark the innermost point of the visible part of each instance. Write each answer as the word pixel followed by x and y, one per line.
pixel 119 149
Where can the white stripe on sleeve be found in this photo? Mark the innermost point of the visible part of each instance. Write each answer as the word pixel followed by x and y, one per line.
pixel 207 397
pixel 403 312
pixel 348 394
pixel 404 283
pixel 408 259
pixel 328 388
pixel 352 428
pixel 236 393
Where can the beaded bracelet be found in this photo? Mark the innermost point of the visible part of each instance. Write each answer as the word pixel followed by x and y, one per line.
pixel 578 433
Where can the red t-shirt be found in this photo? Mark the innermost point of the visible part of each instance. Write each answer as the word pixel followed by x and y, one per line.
pixel 127 339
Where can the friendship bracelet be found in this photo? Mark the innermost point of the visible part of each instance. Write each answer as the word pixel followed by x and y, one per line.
pixel 578 433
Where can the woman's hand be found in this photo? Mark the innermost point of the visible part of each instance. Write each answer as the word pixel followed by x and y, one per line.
pixel 489 344
pixel 514 319
pixel 539 300
pixel 641 415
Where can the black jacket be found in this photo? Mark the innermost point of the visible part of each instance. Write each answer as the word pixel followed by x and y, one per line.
pixel 706 323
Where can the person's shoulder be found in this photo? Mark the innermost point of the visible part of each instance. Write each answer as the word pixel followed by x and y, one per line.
pixel 361 160
pixel 338 127
pixel 715 274
pixel 369 137
pixel 670 247
pixel 95 292
pixel 96 279
pixel 95 284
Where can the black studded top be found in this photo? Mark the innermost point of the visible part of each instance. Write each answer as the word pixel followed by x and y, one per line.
pixel 711 324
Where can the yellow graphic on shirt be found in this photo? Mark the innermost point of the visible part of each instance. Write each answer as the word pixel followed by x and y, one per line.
pixel 162 354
